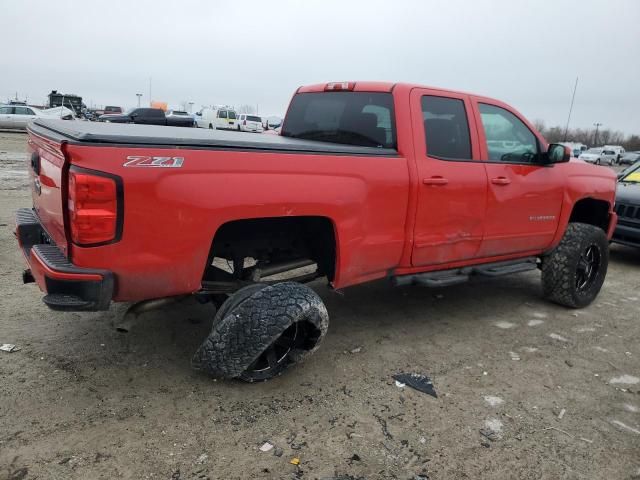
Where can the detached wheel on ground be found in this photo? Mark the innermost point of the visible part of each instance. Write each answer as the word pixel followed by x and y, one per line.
pixel 573 273
pixel 261 330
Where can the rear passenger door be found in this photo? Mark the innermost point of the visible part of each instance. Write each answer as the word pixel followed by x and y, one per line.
pixel 452 182
pixel 23 115
pixel 524 197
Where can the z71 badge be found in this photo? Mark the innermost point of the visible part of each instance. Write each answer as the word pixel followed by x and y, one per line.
pixel 158 162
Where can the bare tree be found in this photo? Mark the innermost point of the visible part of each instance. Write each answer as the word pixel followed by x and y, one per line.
pixel 246 109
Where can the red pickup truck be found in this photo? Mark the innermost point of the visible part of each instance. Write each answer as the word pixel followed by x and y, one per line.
pixel 367 181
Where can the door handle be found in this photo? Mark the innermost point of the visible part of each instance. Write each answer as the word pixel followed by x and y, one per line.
pixel 500 181
pixel 435 181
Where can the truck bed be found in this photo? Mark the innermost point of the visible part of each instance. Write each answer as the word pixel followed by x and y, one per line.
pixel 161 136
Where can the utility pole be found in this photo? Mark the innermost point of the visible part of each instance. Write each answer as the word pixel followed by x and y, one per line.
pixel 150 91
pixel 190 107
pixel 595 137
pixel 139 95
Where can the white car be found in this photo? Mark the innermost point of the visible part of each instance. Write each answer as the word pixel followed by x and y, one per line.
pixel 16 117
pixel 217 119
pixel 617 149
pixel 249 123
pixel 599 156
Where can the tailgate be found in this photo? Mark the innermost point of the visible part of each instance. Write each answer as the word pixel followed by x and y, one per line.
pixel 47 173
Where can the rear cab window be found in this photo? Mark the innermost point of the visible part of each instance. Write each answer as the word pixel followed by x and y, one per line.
pixel 353 118
pixel 446 128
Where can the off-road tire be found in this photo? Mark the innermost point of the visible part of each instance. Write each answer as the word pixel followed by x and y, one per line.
pixel 252 321
pixel 560 267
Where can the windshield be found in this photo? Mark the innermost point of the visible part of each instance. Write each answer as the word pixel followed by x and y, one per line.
pixel 353 118
pixel 632 174
pixel 178 112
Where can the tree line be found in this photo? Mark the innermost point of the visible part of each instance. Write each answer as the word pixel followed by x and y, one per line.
pixel 587 136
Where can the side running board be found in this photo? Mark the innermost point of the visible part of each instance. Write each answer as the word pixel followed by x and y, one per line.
pixel 454 276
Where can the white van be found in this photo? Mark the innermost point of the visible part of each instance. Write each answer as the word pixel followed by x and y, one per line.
pixel 218 119
pixel 618 149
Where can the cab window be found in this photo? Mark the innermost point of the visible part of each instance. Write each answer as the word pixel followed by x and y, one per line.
pixel 222 114
pixel 508 138
pixel 446 128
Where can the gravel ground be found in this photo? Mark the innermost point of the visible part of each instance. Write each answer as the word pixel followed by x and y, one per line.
pixel 526 389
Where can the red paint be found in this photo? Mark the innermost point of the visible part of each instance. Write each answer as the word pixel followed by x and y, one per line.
pixel 41 271
pixel 396 215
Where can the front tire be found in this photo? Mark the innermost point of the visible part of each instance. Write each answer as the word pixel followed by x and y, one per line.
pixel 573 273
pixel 262 330
pixel 598 161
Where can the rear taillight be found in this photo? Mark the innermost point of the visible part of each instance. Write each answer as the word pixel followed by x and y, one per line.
pixel 93 207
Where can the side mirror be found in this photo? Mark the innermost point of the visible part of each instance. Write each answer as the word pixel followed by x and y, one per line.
pixel 557 153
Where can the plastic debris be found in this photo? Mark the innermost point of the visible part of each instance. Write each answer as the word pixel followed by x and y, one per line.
pixel 356 350
pixel 266 447
pixel 561 414
pixel 294 461
pixel 9 347
pixel 400 384
pixel 419 382
pixel 625 379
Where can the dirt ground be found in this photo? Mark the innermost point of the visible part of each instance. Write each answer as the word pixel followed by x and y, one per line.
pixel 526 389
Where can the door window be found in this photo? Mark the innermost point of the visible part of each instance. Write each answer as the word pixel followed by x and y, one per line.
pixel 446 128
pixel 508 138
pixel 232 115
pixel 222 114
pixel 23 111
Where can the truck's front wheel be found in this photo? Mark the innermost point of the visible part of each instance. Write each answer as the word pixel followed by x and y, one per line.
pixel 573 273
pixel 261 330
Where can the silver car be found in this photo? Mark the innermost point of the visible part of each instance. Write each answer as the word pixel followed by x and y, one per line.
pixel 17 116
pixel 599 156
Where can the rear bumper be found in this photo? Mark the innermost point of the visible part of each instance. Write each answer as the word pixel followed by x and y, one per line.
pixel 67 287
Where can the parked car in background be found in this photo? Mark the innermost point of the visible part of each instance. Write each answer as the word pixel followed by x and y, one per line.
pixel 18 116
pixel 149 116
pixel 181 114
pixel 599 156
pixel 217 119
pixel 619 151
pixel 629 158
pixel 249 123
pixel 627 207
pixel 111 110
pixel 576 148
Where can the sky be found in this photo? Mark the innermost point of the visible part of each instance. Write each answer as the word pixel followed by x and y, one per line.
pixel 527 54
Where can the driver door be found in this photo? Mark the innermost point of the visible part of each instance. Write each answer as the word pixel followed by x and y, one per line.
pixel 524 197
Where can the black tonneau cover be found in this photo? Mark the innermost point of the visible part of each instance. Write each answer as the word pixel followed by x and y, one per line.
pixel 98 133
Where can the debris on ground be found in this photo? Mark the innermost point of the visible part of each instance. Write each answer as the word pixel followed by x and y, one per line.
pixel 294 461
pixel 625 427
pixel 561 414
pixel 278 452
pixel 202 458
pixel 400 384
pixel 356 350
pixel 9 347
pixel 266 446
pixel 419 382
pixel 625 379
pixel 493 401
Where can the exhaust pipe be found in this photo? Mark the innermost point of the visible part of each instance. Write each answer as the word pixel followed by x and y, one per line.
pixel 125 324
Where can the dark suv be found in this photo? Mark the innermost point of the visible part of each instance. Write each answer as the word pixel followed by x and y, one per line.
pixel 628 207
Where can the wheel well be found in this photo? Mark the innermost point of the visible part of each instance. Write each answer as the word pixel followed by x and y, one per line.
pixel 274 240
pixel 591 211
